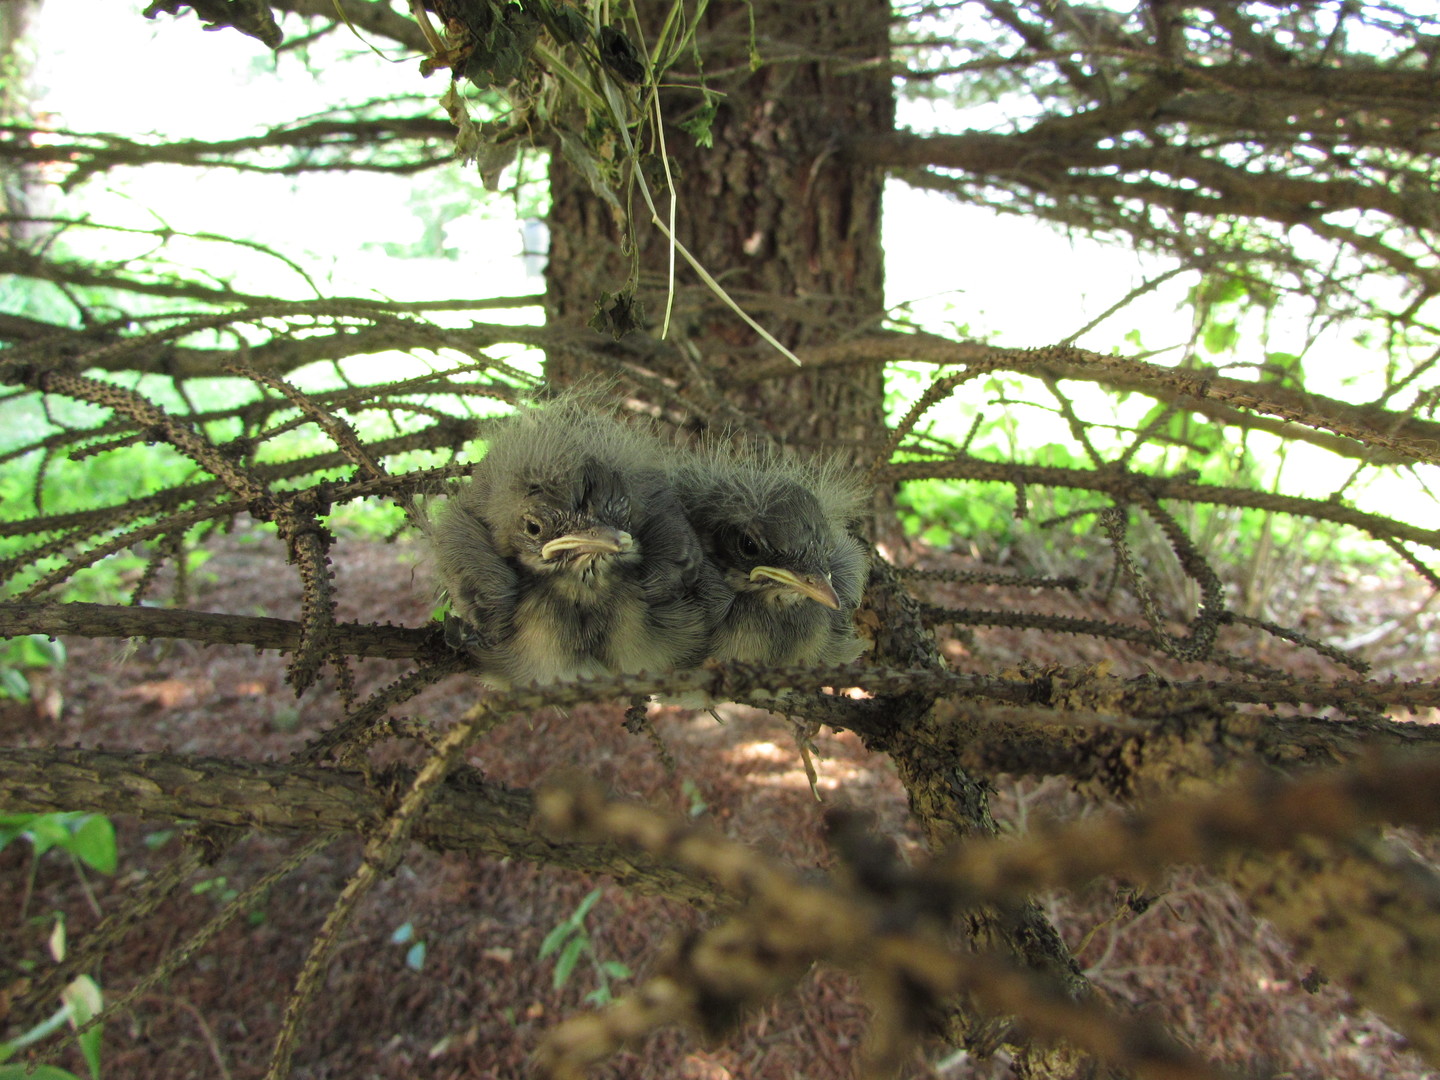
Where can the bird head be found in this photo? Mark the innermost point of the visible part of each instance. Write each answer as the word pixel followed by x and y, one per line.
pixel 779 548
pixel 566 518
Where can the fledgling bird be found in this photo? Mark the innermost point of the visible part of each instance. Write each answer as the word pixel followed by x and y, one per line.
pixel 775 530
pixel 567 554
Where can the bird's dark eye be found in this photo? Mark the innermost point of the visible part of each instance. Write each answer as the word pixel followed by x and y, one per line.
pixel 532 527
pixel 749 546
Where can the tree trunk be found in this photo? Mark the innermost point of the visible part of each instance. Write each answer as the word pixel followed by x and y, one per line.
pixel 24 196
pixel 772 210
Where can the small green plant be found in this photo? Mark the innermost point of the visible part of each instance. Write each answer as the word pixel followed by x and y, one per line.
pixel 219 886
pixel 404 934
pixel 80 1001
pixel 90 838
pixel 572 941
pixel 223 893
pixel 695 800
pixel 87 839
pixel 22 654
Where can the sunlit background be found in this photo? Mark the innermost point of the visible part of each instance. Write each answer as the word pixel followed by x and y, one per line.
pixel 950 268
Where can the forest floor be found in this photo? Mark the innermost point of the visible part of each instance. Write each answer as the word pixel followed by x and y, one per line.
pixel 479 1000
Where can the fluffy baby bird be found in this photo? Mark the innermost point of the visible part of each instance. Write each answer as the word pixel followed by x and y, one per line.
pixel 775 530
pixel 567 554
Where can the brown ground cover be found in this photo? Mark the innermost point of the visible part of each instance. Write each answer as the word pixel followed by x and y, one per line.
pixel 481 999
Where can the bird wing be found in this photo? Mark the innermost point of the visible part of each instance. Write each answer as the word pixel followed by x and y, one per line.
pixel 482 585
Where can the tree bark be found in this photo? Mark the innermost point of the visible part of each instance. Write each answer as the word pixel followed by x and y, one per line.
pixel 22 194
pixel 468 814
pixel 772 210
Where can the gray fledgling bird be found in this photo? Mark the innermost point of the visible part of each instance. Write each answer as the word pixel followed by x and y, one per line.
pixel 567 554
pixel 775 529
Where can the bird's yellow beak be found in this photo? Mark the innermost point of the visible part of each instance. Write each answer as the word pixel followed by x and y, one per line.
pixel 600 540
pixel 816 586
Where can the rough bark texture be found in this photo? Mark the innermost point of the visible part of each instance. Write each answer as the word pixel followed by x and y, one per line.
pixel 467 814
pixel 22 195
pixel 771 210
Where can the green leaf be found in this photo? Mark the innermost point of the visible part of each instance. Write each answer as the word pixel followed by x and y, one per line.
pixel 569 957
pixel 208 885
pixel 615 969
pixel 93 843
pixel 1221 337
pixel 691 791
pixel 601 995
pixel 936 536
pixel 415 956
pixel 583 908
pixel 34 1034
pixel 36 651
pixel 1282 367
pixel 40 1072
pixel 14 685
pixel 698 126
pixel 555 937
pixel 85 1000
pixel 46 831
pixel 588 165
pixel 403 933
pixel 90 1048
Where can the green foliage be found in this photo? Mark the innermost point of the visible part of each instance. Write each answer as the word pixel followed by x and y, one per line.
pixel 695 801
pixel 84 1001
pixel 404 934
pixel 81 1001
pixel 224 893
pixel 372 519
pixel 90 839
pixel 572 940
pixel 87 837
pixel 937 511
pixel 59 483
pixel 218 886
pixel 976 514
pixel 1018 424
pixel 27 653
pixel 700 122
